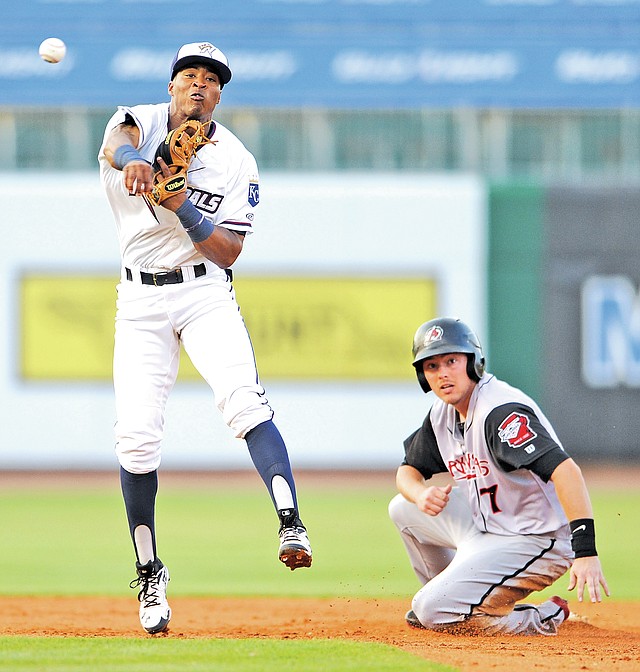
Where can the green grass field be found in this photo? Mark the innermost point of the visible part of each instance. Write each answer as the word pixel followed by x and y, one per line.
pixel 76 543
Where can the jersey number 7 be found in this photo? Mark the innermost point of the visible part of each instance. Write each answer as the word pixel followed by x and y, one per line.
pixel 492 492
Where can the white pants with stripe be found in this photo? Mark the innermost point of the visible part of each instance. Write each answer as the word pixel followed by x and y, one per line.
pixel 151 322
pixel 471 579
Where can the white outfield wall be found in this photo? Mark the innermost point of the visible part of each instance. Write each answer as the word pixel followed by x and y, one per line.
pixel 379 225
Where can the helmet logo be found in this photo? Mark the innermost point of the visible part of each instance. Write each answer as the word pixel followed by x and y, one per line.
pixel 515 430
pixel 434 334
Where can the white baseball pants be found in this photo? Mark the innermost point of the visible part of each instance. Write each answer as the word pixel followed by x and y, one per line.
pixel 151 322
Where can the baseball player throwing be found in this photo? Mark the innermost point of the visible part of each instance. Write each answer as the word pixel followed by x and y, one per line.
pixel 518 516
pixel 184 191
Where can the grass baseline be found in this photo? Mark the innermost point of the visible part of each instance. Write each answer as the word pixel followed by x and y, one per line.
pixel 31 654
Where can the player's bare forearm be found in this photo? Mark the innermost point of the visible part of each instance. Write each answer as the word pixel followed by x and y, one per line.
pixel 409 481
pixel 222 247
pixel 572 490
pixel 586 572
pixel 430 499
pixel 124 134
pixel 136 172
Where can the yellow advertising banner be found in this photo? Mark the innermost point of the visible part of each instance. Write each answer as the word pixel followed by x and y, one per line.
pixel 301 328
pixel 67 326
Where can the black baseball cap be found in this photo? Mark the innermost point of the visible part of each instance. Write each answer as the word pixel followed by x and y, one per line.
pixel 202 53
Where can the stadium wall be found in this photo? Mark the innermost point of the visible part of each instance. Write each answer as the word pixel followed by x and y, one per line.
pixel 338 275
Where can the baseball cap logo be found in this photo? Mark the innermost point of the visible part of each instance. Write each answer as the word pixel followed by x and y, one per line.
pixel 198 53
pixel 207 49
pixel 434 334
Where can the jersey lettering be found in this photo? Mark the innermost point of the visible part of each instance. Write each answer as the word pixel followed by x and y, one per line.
pixel 515 430
pixel 204 201
pixel 468 467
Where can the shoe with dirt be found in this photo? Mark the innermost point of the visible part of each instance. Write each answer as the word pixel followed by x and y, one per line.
pixel 295 549
pixel 152 580
pixel 412 620
pixel 563 604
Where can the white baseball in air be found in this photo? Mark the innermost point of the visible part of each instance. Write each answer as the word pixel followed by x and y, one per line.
pixel 52 50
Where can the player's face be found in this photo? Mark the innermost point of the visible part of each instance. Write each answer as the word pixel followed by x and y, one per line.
pixel 195 92
pixel 447 376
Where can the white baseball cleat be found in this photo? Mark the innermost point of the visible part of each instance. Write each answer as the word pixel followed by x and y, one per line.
pixel 155 612
pixel 295 548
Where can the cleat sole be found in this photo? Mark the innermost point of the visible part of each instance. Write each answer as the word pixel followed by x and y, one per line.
pixel 295 557
pixel 163 626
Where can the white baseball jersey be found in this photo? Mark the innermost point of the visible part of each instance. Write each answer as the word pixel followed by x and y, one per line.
pixel 199 312
pixel 505 434
pixel 222 184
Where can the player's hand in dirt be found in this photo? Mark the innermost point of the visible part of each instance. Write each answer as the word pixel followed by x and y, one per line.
pixel 587 573
pixel 433 499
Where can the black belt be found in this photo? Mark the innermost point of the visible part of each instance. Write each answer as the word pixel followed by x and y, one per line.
pixel 168 277
pixel 172 277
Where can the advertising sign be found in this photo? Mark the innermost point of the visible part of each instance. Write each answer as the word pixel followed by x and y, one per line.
pixel 355 54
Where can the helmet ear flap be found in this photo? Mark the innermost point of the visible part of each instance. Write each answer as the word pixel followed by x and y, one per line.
pixel 422 379
pixel 471 368
pixel 480 367
pixel 475 368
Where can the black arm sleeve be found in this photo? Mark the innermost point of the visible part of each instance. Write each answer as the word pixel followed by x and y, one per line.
pixel 421 451
pixel 546 464
pixel 517 439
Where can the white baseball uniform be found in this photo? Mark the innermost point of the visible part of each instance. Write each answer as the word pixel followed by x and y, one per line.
pixel 200 311
pixel 503 533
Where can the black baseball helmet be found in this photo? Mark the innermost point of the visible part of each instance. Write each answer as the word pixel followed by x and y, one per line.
pixel 441 337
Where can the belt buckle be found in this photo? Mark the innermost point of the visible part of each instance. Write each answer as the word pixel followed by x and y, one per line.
pixel 168 278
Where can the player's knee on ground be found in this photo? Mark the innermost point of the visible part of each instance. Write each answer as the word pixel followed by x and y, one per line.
pixel 435 610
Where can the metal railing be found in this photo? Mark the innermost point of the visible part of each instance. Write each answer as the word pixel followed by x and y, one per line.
pixel 548 145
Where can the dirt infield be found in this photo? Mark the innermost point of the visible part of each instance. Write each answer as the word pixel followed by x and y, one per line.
pixel 610 641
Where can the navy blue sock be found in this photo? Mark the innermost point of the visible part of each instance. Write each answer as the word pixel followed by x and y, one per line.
pixel 139 492
pixel 270 457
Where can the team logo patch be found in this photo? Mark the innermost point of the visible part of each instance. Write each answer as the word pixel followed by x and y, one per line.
pixel 515 430
pixel 434 334
pixel 254 194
